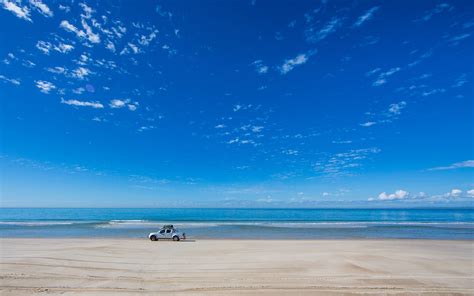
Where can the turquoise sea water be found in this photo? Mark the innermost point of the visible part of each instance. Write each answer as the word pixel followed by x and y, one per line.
pixel 241 223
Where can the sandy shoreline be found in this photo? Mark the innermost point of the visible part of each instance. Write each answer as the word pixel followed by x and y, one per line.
pixel 231 267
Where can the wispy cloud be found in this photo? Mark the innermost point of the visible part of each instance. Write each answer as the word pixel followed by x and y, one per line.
pixel 290 64
pixel 10 80
pixel 389 115
pixel 45 86
pixel 382 77
pixel 20 11
pixel 460 81
pixel 344 163
pixel 86 34
pixel 455 39
pixel 42 8
pixel 439 8
pixel 314 35
pixel 366 16
pixel 433 92
pixel 78 103
pixel 71 28
pixel 457 165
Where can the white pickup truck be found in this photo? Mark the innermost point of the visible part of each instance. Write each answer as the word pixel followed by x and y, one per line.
pixel 167 232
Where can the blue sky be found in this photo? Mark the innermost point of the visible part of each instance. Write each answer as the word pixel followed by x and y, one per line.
pixel 236 103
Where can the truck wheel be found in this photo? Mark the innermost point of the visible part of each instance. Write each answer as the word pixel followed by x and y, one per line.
pixel 153 238
pixel 176 238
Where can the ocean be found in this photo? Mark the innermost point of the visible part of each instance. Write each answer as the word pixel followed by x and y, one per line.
pixel 240 223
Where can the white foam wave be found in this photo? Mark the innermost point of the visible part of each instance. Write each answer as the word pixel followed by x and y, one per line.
pixel 197 224
pixel 40 223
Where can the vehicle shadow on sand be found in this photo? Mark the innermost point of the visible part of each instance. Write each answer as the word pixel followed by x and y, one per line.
pixel 172 241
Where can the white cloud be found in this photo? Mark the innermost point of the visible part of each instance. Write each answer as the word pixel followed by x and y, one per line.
pixel 99 119
pixel 290 64
pixel 146 128
pixel 373 71
pixel 10 80
pixel 260 67
pixel 118 103
pixel 43 46
pixel 366 16
pixel 236 140
pixel 87 10
pixel 87 34
pixel 20 12
pixel 46 47
pixel 454 193
pixel 64 48
pixel 133 47
pixel 110 46
pixel 57 70
pixel 91 36
pixel 77 103
pixel 220 126
pixel 146 40
pixel 71 28
pixel 457 165
pixel 290 152
pixel 399 194
pixel 396 109
pixel 81 73
pixel 42 8
pixel 379 82
pixel 367 124
pixel 79 90
pixel 64 8
pixel 133 106
pixel 44 86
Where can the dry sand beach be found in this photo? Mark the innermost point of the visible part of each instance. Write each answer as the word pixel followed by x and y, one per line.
pixel 236 267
